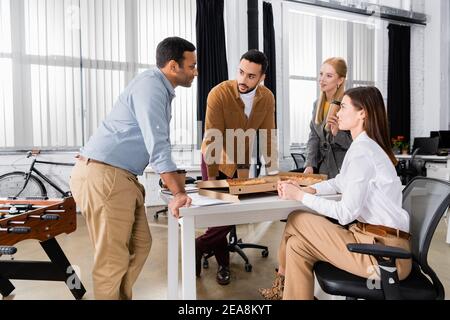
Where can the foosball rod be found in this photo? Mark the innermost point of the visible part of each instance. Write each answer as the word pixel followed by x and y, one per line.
pixel 7 250
pixel 18 230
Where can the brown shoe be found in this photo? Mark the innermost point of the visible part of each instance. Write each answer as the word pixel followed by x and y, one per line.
pixel 276 291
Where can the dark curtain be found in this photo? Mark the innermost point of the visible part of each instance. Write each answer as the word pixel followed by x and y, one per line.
pixel 269 48
pixel 211 55
pixel 399 86
pixel 252 24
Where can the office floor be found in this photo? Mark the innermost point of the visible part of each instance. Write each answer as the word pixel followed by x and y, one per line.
pixel 152 283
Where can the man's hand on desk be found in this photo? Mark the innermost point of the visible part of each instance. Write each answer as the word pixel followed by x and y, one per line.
pixel 179 200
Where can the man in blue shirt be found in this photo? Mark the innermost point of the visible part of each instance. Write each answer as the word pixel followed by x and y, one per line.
pixel 104 184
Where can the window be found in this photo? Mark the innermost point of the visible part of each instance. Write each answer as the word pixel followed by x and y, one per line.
pixel 74 57
pixel 314 35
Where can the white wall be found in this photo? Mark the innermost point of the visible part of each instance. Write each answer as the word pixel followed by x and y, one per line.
pixel 436 109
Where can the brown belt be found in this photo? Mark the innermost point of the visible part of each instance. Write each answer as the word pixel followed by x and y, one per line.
pixel 382 230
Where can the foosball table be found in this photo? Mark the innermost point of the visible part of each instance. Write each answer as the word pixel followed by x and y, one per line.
pixel 40 220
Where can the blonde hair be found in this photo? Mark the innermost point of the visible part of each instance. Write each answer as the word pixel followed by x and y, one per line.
pixel 340 66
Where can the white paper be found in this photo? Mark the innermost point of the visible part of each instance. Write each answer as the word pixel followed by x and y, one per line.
pixel 202 201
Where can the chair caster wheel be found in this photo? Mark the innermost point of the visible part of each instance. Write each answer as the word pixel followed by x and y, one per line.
pixel 248 267
pixel 155 216
pixel 265 253
pixel 205 264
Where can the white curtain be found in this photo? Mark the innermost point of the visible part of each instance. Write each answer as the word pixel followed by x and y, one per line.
pixel 65 62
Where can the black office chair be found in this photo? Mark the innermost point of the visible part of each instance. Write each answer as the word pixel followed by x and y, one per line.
pixel 236 245
pixel 426 200
pixel 299 160
pixel 409 169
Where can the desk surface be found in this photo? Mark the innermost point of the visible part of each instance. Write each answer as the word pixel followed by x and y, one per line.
pixel 250 203
pixel 424 157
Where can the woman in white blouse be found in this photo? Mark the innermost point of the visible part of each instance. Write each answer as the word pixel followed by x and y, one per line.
pixel 371 198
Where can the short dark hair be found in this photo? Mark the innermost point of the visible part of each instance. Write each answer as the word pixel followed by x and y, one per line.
pixel 172 48
pixel 257 57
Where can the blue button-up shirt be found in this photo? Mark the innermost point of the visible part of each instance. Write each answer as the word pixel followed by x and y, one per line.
pixel 137 130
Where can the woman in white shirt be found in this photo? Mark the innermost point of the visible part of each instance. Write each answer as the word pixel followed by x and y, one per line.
pixel 371 197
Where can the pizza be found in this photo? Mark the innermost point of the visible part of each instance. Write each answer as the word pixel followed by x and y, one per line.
pixel 245 182
pixel 303 181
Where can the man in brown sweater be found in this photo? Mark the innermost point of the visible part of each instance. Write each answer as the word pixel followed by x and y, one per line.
pixel 235 110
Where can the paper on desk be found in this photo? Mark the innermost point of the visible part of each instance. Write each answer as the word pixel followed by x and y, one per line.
pixel 202 201
pixel 188 189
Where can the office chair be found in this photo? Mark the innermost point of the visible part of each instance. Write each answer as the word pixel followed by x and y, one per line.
pixel 236 245
pixel 409 169
pixel 426 200
pixel 299 160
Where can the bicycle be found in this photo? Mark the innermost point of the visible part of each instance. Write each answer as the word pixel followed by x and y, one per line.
pixel 28 185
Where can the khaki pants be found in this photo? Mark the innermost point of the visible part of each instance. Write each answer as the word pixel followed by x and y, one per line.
pixel 309 238
pixel 112 201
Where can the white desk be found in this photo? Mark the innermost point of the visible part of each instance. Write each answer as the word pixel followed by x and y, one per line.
pixel 258 209
pixel 426 158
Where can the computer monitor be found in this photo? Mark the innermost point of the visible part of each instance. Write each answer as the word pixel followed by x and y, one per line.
pixel 428 146
pixel 444 142
pixel 434 134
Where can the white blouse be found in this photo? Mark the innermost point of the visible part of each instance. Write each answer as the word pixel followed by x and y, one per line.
pixel 371 190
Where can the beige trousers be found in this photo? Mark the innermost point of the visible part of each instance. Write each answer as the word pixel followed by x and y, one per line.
pixel 309 238
pixel 112 202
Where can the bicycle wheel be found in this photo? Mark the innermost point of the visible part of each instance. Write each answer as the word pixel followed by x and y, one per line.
pixel 11 184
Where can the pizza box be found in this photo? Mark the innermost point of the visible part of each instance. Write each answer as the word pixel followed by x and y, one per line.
pixel 240 185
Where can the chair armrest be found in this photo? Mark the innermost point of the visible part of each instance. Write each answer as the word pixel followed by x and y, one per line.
pixel 388 269
pixel 379 250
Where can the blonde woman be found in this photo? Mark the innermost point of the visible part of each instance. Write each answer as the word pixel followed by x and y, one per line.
pixel 327 144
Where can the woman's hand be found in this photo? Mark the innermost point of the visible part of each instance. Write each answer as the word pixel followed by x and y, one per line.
pixel 289 190
pixel 309 170
pixel 332 123
pixel 309 190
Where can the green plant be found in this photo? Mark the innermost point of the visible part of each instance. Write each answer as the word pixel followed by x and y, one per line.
pixel 400 143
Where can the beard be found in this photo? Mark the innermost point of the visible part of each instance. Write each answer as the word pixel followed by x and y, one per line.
pixel 186 82
pixel 247 90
